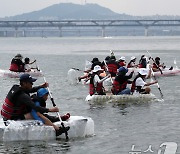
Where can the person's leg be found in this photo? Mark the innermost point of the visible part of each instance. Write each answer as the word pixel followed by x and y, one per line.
pixel 126 91
pixel 47 121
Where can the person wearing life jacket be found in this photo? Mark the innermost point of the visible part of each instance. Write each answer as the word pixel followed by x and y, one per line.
pixel 122 61
pixel 120 82
pixel 113 66
pixel 157 66
pixel 27 65
pixel 18 103
pixel 143 62
pixel 96 81
pixel 16 64
pixel 95 61
pixel 132 62
pixel 40 100
pixel 139 85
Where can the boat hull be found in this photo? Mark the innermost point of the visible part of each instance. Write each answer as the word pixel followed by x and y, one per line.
pixel 11 74
pixel 165 72
pixel 34 130
pixel 121 99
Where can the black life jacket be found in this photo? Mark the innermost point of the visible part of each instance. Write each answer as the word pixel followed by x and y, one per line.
pixel 11 109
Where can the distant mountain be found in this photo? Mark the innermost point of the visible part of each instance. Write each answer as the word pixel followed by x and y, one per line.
pixel 70 11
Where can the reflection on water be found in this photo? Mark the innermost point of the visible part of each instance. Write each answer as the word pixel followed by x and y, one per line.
pixel 36 147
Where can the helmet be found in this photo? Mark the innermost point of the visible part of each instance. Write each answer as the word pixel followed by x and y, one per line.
pixel 42 91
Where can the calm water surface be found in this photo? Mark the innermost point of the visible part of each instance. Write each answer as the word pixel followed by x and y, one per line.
pixel 117 128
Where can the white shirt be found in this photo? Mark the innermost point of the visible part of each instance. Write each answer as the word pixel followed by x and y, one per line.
pixel 140 82
pixel 27 67
pixel 98 80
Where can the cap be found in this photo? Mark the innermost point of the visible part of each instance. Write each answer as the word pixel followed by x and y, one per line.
pixel 27 78
pixel 122 58
pixel 42 91
pixel 123 69
pixel 132 58
pixel 143 71
pixel 97 68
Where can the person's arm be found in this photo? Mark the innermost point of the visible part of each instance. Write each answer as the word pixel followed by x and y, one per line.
pixel 36 88
pixel 98 80
pixel 26 99
pixel 130 75
pixel 150 83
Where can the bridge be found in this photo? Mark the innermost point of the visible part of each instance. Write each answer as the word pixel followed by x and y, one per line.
pixel 103 24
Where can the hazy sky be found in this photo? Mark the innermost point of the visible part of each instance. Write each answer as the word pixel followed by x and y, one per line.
pixel 131 7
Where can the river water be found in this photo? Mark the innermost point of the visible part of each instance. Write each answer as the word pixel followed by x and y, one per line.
pixel 118 129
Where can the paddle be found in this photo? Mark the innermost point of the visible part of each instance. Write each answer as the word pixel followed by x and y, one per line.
pixel 52 100
pixel 155 62
pixel 37 66
pixel 77 69
pixel 157 82
pixel 108 70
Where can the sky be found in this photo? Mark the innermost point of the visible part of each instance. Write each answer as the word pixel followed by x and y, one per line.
pixel 131 7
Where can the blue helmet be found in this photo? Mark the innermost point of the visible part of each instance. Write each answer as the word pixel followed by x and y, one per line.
pixel 123 70
pixel 42 91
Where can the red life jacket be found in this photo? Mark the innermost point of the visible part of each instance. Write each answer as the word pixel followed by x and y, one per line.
pixel 92 89
pixel 10 108
pixel 14 67
pixel 133 86
pixel 112 68
pixel 117 87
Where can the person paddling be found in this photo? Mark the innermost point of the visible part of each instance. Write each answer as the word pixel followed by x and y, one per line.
pixel 120 82
pixel 157 66
pixel 18 103
pixel 139 85
pixel 96 81
pixel 40 100
pixel 27 65
pixel 17 64
pixel 132 62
